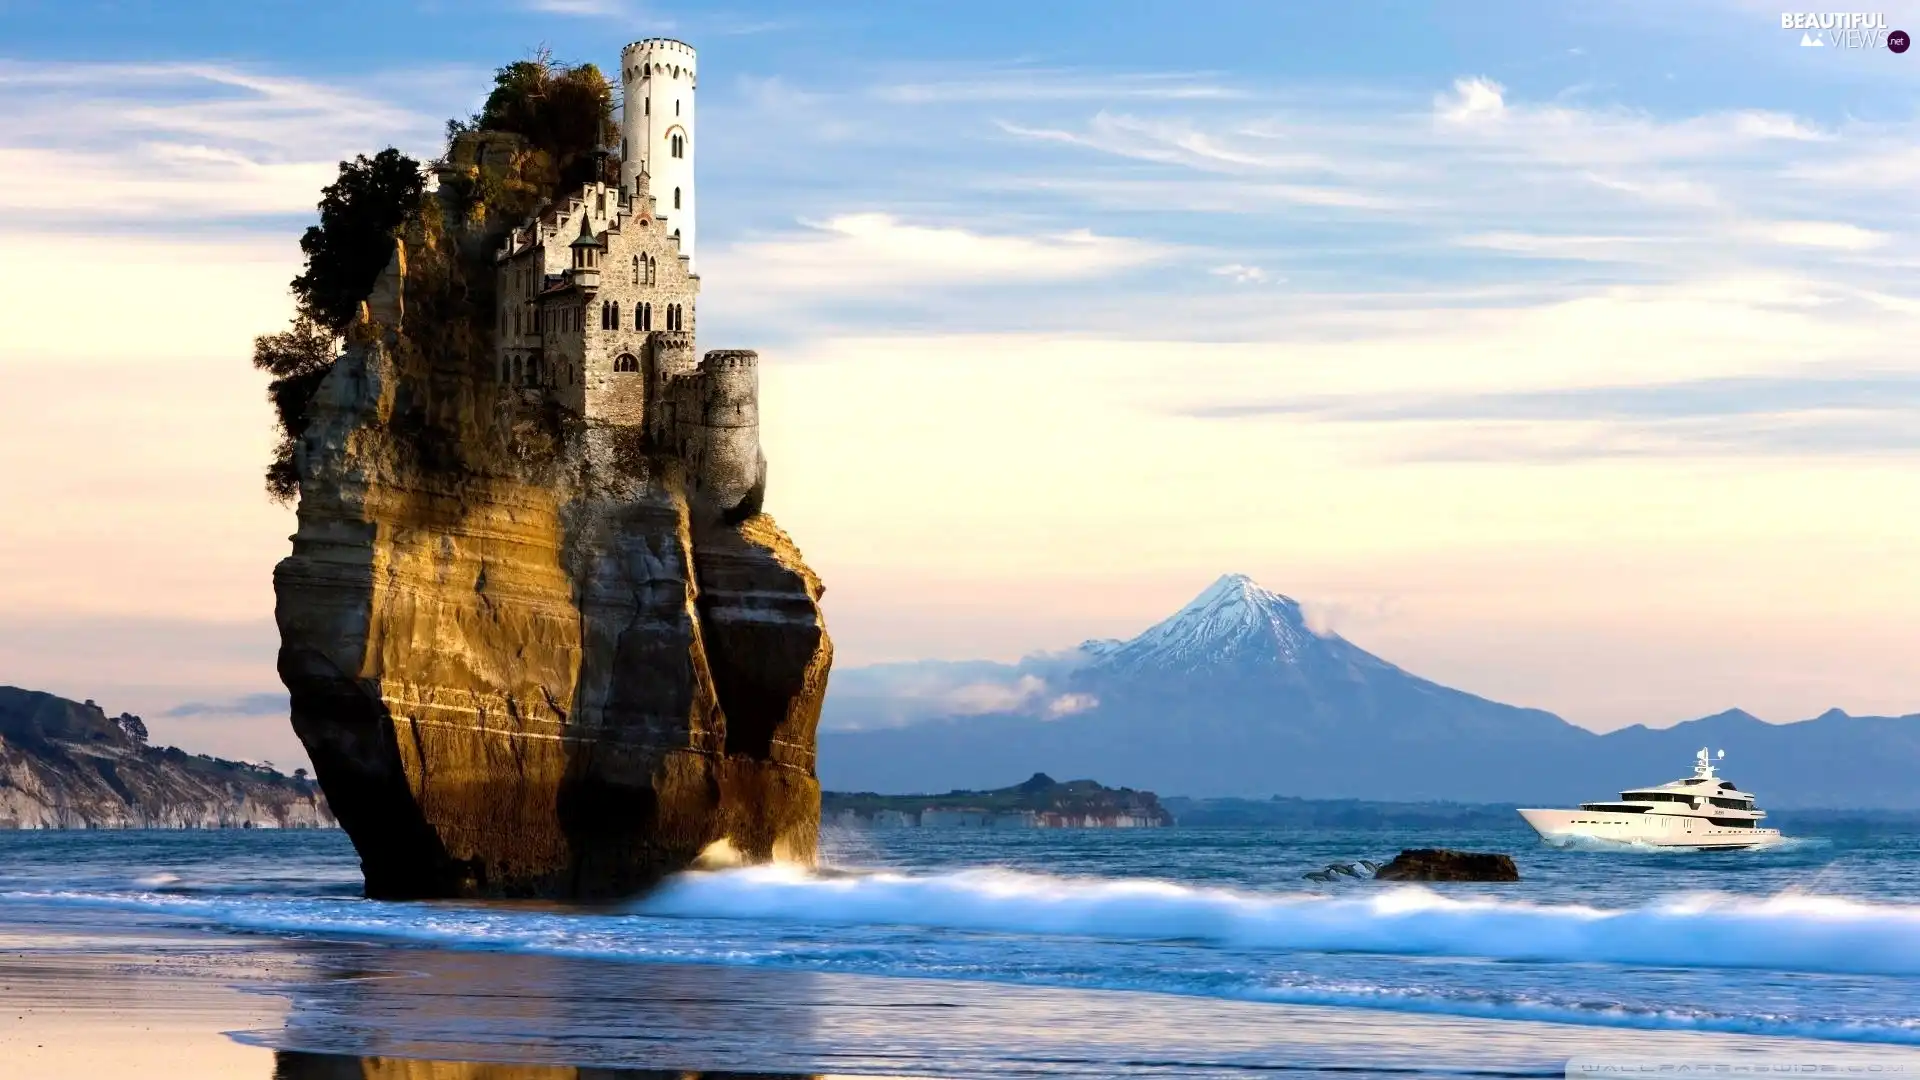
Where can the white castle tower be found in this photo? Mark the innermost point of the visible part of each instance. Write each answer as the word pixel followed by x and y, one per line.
pixel 657 137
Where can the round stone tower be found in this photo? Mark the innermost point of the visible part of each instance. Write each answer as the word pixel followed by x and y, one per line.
pixel 656 128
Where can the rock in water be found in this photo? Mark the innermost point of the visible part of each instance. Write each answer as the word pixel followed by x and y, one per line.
pixel 1442 864
pixel 530 651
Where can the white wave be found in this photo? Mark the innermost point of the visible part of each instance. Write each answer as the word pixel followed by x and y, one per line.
pixel 156 881
pixel 1825 934
pixel 1788 932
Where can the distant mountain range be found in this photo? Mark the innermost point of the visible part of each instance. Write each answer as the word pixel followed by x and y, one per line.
pixel 1235 695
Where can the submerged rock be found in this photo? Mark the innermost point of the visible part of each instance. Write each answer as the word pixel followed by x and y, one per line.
pixel 531 650
pixel 1443 864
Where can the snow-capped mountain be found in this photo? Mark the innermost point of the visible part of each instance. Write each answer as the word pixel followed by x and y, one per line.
pixel 1234 621
pixel 1235 694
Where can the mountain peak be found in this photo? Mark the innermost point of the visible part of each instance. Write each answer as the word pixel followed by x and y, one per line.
pixel 1232 620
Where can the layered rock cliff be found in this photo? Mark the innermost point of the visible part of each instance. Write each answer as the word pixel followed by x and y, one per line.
pixel 67 765
pixel 526 656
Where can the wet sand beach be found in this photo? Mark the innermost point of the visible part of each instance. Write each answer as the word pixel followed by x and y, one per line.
pixel 161 1002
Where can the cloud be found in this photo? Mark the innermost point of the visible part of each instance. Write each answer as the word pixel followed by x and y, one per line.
pixel 869 251
pixel 268 703
pixel 1833 235
pixel 181 141
pixel 1816 414
pixel 1473 101
pixel 1241 274
pixel 625 10
pixel 1068 704
pixel 1025 84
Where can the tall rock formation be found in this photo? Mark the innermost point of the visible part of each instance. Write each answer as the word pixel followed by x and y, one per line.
pixel 527 653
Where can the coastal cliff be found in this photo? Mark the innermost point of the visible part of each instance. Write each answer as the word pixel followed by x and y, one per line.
pixel 529 652
pixel 68 765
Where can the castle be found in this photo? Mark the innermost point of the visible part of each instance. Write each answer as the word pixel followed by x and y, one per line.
pixel 596 297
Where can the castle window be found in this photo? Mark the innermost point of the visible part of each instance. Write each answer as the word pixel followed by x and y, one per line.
pixel 600 202
pixel 653 270
pixel 647 108
pixel 636 269
pixel 678 146
pixel 613 317
pixel 676 106
pixel 626 363
pixel 676 198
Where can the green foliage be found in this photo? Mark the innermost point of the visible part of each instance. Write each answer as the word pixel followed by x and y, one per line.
pixel 297 358
pixel 564 112
pixel 360 214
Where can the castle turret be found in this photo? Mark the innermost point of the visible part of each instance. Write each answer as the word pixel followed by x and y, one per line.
pixel 586 256
pixel 657 76
pixel 722 435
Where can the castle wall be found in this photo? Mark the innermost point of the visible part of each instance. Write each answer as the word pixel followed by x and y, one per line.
pixel 580 362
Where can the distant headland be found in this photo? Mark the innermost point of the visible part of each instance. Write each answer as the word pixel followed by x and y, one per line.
pixel 1040 803
pixel 68 765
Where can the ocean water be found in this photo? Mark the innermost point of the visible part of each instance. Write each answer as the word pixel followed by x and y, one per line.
pixel 1817 940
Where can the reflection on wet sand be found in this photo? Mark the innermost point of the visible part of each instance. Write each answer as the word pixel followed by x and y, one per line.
pixel 297 1065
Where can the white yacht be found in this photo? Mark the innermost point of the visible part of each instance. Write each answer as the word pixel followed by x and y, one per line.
pixel 1702 811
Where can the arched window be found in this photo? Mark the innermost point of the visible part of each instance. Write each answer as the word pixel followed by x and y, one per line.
pixel 636 269
pixel 626 363
pixel 676 198
pixel 613 317
pixel 653 270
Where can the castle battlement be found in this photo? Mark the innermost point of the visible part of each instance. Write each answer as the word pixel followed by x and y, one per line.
pixel 729 360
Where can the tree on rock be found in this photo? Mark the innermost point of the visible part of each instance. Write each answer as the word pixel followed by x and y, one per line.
pixel 360 214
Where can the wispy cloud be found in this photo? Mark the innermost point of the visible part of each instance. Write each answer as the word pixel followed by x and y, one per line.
pixel 865 252
pixel 268 703
pixel 1807 414
pixel 1027 84
pixel 181 141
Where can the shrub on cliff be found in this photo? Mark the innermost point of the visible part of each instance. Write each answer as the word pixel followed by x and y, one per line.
pixel 360 213
pixel 297 358
pixel 564 112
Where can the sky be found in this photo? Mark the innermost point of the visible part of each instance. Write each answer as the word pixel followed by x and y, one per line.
pixel 1564 354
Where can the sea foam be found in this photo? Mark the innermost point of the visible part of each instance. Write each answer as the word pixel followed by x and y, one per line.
pixel 1786 932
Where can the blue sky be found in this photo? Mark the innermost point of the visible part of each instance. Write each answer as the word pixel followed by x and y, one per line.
pixel 1558 352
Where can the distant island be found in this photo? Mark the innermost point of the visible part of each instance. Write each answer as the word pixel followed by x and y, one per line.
pixel 1040 803
pixel 68 765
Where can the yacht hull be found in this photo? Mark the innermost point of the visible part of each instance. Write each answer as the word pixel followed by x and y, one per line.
pixel 1657 830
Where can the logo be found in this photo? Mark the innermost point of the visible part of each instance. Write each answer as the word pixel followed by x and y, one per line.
pixel 1857 30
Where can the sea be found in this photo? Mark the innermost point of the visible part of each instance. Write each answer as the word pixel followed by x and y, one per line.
pixel 1150 952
